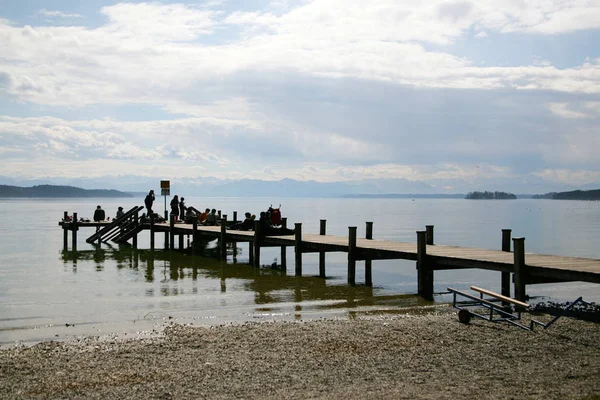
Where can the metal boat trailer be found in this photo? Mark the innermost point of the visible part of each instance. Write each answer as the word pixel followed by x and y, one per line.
pixel 509 311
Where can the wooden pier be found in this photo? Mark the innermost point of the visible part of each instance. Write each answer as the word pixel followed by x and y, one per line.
pixel 525 269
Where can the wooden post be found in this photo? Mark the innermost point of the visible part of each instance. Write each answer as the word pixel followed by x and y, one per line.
pixel 172 231
pixel 298 247
pixel 424 271
pixel 222 241
pixel 369 263
pixel 74 232
pixel 322 230
pixel 505 285
pixel 194 235
pixel 219 214
pixel 351 255
pixel 520 268
pixel 181 244
pixel 429 234
pixel 257 240
pixel 65 231
pixel 136 221
pixel 251 253
pixel 284 248
pixel 151 233
pixel 234 217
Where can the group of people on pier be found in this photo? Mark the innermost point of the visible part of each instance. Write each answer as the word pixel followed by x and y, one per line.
pixel 270 220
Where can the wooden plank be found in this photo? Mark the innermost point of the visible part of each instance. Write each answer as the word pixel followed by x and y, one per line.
pixel 499 296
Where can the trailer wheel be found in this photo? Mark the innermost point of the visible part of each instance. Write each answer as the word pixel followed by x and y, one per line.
pixel 464 316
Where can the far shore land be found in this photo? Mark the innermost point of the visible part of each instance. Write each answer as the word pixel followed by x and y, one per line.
pixel 426 356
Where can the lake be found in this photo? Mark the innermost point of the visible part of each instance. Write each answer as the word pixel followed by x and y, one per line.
pixel 117 291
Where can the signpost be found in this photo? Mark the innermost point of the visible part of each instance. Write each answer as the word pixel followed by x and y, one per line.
pixel 165 190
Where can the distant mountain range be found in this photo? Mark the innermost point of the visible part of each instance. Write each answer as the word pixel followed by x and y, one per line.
pixel 213 187
pixel 57 191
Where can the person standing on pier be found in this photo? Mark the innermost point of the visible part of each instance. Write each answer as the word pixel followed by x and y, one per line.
pixel 148 201
pixel 120 213
pixel 99 215
pixel 175 207
pixel 182 209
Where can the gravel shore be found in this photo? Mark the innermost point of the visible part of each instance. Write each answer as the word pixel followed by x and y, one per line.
pixel 428 356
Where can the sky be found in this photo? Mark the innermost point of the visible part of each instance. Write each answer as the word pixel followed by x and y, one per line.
pixel 454 93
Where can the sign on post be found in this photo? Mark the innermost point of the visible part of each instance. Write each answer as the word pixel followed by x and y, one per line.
pixel 165 188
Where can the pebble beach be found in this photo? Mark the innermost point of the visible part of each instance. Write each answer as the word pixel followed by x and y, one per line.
pixel 409 356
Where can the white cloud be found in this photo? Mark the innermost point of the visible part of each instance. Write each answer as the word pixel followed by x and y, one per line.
pixel 562 110
pixel 150 53
pixel 59 14
pixel 569 177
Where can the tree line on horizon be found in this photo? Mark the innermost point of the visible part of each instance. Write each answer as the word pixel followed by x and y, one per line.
pixel 490 196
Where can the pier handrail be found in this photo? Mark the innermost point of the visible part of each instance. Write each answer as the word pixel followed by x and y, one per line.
pixel 116 222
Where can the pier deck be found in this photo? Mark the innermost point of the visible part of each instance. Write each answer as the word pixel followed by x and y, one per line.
pixel 526 268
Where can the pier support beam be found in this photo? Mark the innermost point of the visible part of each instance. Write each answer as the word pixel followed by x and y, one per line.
pixel 256 243
pixel 368 263
pixel 424 271
pixel 298 247
pixel 235 217
pixel 351 255
pixel 65 231
pixel 322 230
pixel 505 283
pixel 74 229
pixel 520 268
pixel 284 248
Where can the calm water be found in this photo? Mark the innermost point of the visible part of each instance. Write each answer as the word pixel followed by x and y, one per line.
pixel 115 289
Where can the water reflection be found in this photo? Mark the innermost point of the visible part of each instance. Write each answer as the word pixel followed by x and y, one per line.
pixel 269 285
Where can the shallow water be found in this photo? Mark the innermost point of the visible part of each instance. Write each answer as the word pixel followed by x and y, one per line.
pixel 47 293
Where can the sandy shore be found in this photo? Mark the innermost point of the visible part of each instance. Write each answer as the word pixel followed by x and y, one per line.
pixel 400 357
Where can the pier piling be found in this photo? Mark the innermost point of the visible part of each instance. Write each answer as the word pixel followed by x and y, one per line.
pixel 368 262
pixel 151 233
pixel 505 283
pixel 65 231
pixel 322 230
pixel 257 239
pixel 352 255
pixel 520 268
pixel 223 239
pixel 172 232
pixel 298 247
pixel 429 234
pixel 74 232
pixel 284 248
pixel 424 270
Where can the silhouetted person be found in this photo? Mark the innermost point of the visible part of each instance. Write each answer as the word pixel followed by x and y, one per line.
pixel 120 212
pixel 175 207
pixel 148 201
pixel 182 209
pixel 212 217
pixel 99 214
